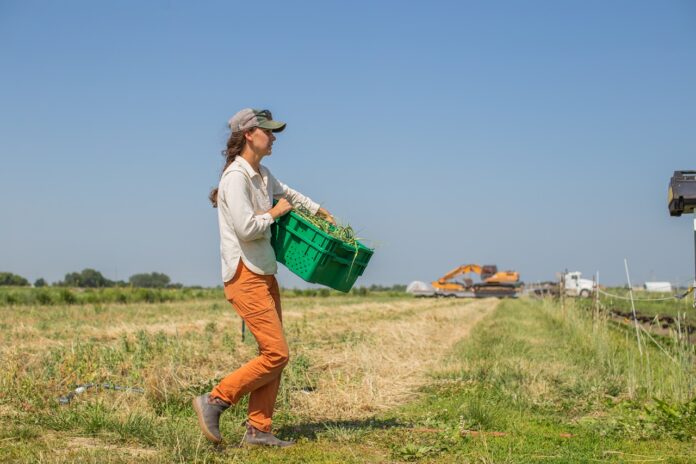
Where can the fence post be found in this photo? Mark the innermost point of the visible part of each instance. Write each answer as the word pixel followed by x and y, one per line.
pixel 562 288
pixel 633 309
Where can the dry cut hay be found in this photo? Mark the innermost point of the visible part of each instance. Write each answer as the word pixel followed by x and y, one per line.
pixel 389 361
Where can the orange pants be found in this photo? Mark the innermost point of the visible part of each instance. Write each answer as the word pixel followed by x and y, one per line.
pixel 256 298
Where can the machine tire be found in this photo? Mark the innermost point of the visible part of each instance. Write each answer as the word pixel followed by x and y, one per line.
pixel 584 293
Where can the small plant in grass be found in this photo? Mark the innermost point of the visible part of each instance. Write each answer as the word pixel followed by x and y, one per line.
pixel 477 417
pixel 414 452
pixel 676 420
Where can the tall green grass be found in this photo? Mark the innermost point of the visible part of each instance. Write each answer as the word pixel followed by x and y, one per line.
pixel 650 365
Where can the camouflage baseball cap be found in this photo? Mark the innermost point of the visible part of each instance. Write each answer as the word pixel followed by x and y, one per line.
pixel 249 118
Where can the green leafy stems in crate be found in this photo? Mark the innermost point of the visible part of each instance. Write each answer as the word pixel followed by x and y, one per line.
pixel 346 234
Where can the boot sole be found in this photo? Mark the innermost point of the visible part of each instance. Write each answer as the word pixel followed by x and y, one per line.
pixel 201 422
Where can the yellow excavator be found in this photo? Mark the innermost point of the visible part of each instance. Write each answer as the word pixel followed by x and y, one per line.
pixel 493 283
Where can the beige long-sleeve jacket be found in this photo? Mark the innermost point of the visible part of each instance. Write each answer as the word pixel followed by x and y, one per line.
pixel 244 198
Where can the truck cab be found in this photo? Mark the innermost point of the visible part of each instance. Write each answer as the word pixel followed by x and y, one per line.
pixel 575 285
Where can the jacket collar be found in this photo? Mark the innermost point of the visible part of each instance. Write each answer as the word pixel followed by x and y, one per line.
pixel 240 164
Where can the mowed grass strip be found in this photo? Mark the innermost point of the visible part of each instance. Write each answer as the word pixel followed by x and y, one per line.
pixel 344 352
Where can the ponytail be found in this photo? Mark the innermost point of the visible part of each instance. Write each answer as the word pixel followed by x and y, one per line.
pixel 235 145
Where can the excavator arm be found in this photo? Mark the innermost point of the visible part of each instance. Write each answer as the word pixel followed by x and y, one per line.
pixel 492 281
pixel 465 269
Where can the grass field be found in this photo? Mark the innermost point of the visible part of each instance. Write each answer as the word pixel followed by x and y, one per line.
pixel 371 379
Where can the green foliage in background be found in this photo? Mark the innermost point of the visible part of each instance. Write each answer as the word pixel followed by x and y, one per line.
pixel 87 278
pixel 8 278
pixel 151 280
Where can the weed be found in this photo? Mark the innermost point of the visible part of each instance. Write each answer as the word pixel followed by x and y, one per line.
pixel 677 420
pixel 414 452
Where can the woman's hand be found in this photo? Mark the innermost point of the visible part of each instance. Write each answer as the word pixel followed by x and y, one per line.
pixel 326 215
pixel 281 208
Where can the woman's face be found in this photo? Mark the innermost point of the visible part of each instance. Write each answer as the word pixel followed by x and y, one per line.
pixel 261 141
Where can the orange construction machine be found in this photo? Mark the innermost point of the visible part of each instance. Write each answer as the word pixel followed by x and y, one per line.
pixel 493 283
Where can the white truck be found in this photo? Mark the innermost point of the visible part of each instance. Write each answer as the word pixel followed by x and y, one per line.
pixel 575 285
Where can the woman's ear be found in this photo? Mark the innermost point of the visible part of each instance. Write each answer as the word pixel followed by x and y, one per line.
pixel 248 134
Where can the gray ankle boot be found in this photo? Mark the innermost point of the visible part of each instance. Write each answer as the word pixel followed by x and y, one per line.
pixel 208 411
pixel 254 436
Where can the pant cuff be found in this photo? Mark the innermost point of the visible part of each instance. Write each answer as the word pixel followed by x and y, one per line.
pixel 260 426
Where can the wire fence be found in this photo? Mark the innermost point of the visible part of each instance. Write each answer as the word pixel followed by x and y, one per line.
pixel 628 298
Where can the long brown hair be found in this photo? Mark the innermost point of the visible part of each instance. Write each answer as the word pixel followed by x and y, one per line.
pixel 235 145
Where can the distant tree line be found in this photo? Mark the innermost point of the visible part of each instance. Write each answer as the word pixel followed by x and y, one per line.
pixel 357 291
pixel 7 278
pixel 383 288
pixel 91 278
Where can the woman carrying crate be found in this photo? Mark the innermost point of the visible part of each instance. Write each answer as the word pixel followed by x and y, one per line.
pixel 244 200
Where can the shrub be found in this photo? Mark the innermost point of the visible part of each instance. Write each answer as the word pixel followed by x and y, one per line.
pixel 121 297
pixel 67 296
pixel 44 297
pixel 11 298
pixel 360 291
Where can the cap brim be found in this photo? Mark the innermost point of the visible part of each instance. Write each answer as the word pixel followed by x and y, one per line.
pixel 274 126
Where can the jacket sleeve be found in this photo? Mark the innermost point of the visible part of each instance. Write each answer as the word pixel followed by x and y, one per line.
pixel 280 190
pixel 248 224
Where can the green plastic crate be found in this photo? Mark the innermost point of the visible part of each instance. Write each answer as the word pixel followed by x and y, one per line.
pixel 315 256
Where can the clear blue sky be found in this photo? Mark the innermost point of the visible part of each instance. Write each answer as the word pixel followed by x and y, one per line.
pixel 536 135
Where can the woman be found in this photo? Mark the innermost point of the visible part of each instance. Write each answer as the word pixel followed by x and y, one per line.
pixel 244 200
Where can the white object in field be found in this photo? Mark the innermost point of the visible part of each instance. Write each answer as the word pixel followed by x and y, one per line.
pixel 664 287
pixel 419 288
pixel 575 285
pixel 79 390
